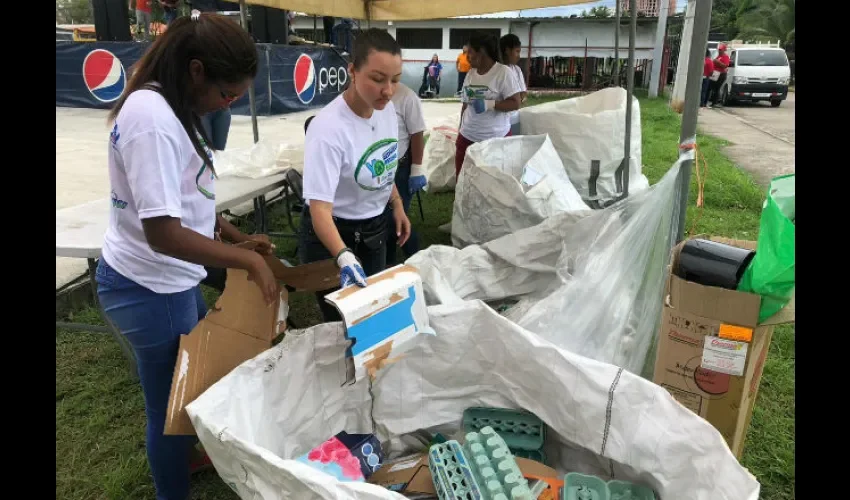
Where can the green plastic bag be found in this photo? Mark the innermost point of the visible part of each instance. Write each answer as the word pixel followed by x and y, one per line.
pixel 771 272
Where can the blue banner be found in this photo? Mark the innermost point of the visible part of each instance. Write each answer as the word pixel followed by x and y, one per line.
pixel 289 78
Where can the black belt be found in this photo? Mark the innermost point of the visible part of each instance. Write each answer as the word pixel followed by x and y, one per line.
pixel 345 222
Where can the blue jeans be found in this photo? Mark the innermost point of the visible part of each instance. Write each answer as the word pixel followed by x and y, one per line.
pixel 217 127
pixel 153 324
pixel 402 182
pixel 703 97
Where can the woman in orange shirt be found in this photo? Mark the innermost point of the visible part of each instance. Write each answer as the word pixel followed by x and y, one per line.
pixel 463 67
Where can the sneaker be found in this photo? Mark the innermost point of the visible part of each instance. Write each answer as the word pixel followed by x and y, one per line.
pixel 201 464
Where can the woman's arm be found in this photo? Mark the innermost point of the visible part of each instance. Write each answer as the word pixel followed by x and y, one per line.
pixel 323 223
pixel 417 148
pixel 166 235
pixel 402 223
pixel 512 103
pixel 231 233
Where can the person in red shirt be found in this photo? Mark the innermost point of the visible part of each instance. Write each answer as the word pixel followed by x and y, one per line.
pixel 707 69
pixel 143 18
pixel 721 65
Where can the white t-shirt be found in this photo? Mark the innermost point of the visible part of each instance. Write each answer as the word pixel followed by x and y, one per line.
pixel 351 161
pixel 154 171
pixel 497 84
pixel 522 88
pixel 408 109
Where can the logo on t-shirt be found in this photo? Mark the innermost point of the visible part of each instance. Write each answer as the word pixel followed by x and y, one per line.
pixel 376 168
pixel 117 202
pixel 114 135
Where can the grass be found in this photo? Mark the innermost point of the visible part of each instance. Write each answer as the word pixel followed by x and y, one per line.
pixel 100 422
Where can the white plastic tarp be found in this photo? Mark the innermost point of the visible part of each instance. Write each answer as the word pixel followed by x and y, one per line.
pixel 508 184
pixel 590 282
pixel 589 133
pixel 266 157
pixel 438 160
pixel 601 420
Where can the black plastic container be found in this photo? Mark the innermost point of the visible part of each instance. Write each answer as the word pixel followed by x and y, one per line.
pixel 711 263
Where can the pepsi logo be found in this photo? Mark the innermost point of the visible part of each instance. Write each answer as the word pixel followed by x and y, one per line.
pixel 104 75
pixel 305 79
pixel 310 82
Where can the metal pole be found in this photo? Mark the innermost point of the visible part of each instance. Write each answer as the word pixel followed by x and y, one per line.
pixel 699 39
pixel 252 101
pixel 315 30
pixel 617 43
pixel 657 53
pixel 630 90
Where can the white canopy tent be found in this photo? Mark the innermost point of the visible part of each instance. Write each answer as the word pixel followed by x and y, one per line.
pixel 698 14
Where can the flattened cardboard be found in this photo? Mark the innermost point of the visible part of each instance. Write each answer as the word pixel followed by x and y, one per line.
pixel 407 475
pixel 237 328
pixel 410 475
pixel 692 313
pixel 382 317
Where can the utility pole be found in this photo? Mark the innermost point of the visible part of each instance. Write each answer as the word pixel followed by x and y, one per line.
pixel 700 24
pixel 658 51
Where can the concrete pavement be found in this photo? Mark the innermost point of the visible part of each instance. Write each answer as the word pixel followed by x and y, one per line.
pixel 762 137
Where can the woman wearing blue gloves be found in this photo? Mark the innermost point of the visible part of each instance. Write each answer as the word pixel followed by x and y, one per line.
pixel 351 154
pixel 410 176
pixel 490 93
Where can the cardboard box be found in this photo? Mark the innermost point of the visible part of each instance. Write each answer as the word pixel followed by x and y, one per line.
pixel 711 350
pixel 382 317
pixel 237 328
pixel 411 476
pixel 408 475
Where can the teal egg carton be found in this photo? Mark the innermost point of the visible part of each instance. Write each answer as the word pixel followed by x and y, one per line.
pixel 483 468
pixel 521 430
pixel 624 490
pixel 536 455
pixel 451 473
pixel 584 487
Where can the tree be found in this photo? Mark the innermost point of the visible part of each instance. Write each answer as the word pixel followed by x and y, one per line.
pixel 599 12
pixel 768 20
pixel 74 12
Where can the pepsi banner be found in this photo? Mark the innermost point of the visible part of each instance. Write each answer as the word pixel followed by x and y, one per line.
pixel 289 78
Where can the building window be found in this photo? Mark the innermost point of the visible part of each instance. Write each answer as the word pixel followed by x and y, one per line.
pixel 460 36
pixel 420 38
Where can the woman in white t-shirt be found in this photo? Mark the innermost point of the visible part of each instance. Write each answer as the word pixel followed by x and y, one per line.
pixel 510 47
pixel 350 159
pixel 162 221
pixel 490 93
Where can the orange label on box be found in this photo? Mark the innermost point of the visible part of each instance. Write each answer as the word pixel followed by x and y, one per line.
pixel 732 332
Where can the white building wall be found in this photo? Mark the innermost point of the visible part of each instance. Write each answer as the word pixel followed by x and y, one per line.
pixel 566 38
pixel 557 37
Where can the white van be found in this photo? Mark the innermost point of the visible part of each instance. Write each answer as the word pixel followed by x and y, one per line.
pixel 756 73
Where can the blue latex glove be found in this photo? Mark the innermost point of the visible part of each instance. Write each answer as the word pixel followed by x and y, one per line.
pixel 482 105
pixel 417 178
pixel 350 271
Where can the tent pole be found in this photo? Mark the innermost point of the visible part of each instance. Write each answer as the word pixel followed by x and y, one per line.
pixel 243 17
pixel 699 40
pixel 617 43
pixel 630 90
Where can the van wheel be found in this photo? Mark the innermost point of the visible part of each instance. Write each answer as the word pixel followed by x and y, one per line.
pixel 775 103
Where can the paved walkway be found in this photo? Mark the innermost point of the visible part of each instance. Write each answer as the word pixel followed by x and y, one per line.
pixel 762 138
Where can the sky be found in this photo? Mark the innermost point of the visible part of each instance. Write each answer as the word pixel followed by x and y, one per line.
pixel 565 11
